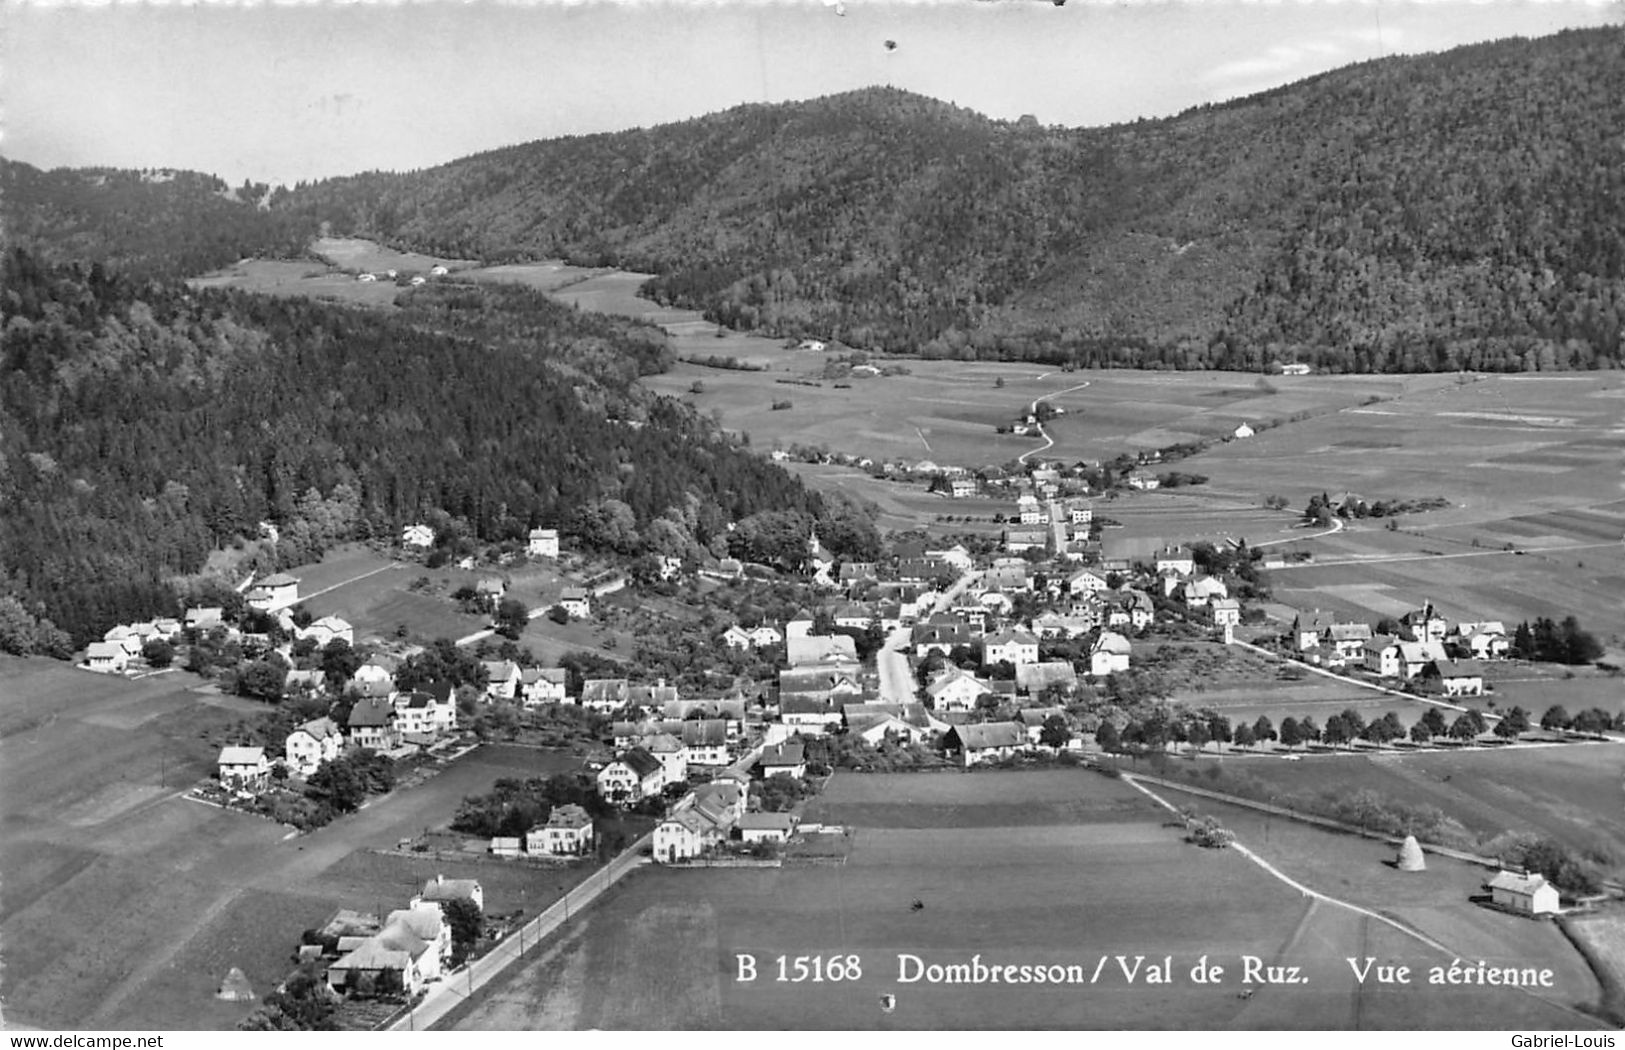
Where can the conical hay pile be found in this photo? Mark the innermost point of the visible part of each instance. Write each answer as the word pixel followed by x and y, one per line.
pixel 1410 855
pixel 235 987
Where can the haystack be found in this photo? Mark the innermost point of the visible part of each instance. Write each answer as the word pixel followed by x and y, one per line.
pixel 1410 855
pixel 235 989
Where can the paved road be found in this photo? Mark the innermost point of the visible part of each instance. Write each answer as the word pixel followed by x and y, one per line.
pixel 456 988
pixel 896 679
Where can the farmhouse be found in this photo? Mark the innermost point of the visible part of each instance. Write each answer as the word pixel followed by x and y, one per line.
pixel 313 743
pixel 1307 628
pixel 440 889
pixel 373 968
pixel 490 591
pixel 1226 612
pixel 1025 539
pixel 821 649
pixel 766 827
pixel 277 591
pixel 1139 479
pixel 1344 642
pixel 809 714
pixel 543 543
pixel 1028 510
pixel 417 536
pixel 1414 656
pixel 1381 656
pixel 567 833
pixel 603 694
pixel 1033 679
pixel 107 657
pixel 327 629
pixel 939 637
pixel 683 836
pixel 502 679
pixel 244 768
pixel 1032 719
pixel 1242 431
pixel 1526 894
pixel 1088 580
pixel 962 488
pixel 1456 677
pixel 985 742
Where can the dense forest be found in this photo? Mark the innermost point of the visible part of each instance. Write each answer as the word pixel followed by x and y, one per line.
pixel 143 426
pixel 1407 214
pixel 145 223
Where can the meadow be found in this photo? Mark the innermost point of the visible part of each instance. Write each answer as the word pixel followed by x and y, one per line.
pixel 661 950
pixel 126 904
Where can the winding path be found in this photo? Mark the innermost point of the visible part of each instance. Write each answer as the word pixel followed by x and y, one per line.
pixel 1049 442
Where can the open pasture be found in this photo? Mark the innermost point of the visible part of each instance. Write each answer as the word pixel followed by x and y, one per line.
pixel 1574 793
pixel 301 279
pixel 126 903
pixel 660 951
pixel 358 254
pixel 1435 903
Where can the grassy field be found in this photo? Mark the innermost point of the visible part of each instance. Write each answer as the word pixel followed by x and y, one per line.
pixel 1092 870
pixel 125 904
pixel 1574 793
pixel 354 253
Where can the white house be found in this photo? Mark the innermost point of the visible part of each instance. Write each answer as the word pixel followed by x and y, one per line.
pixel 567 833
pixel 417 536
pixel 955 691
pixel 277 591
pixel 543 685
pixel 986 742
pixel 787 759
pixel 1243 431
pixel 1029 511
pixel 1109 654
pixel 1380 656
pixel 440 889
pixel 244 768
pixel 705 741
pixel 962 488
pixel 372 725
pixel 576 602
pixel 1526 894
pixel 544 543
pixel 1176 559
pixel 1457 677
pixel 107 657
pixel 632 777
pixel 502 678
pixel 1018 647
pixel 1295 369
pixel 766 827
pixel 327 629
pixel 673 756
pixel 1226 612
pixel 313 743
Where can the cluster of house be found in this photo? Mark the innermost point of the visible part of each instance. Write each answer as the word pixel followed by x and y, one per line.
pixel 369 277
pixel 1428 648
pixel 402 953
pixel 121 647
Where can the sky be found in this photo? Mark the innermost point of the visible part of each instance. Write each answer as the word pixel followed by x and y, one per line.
pixel 281 92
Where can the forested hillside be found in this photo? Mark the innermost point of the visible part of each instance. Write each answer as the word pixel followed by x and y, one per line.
pixel 1443 211
pixel 144 223
pixel 143 426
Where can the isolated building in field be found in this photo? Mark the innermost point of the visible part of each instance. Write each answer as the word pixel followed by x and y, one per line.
pixel 1525 894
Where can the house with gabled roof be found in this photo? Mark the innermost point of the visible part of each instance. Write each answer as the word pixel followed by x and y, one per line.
pixel 985 742
pixel 568 832
pixel 576 601
pixel 808 714
pixel 1109 654
pixel 328 629
pixel 955 690
pixel 1032 719
pixel 1380 656
pixel 1307 628
pixel 631 778
pixel 277 591
pixel 373 966
pixel 705 741
pixel 440 889
pixel 543 543
pixel 1526 894
pixel 788 759
pixel 1424 624
pixel 604 694
pixel 1017 647
pixel 372 725
pixel 932 637
pixel 1456 677
pixel 502 678
pixel 821 650
pixel 313 743
pixel 1203 589
pixel 107 657
pixel 1415 656
pixel 543 685
pixel 244 768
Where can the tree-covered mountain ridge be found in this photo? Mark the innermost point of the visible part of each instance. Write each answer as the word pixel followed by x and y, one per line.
pixel 1453 210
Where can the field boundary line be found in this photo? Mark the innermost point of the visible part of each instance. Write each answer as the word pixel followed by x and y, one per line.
pixel 354 579
pixel 1307 891
pixel 1357 682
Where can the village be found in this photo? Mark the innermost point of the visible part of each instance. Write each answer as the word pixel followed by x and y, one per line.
pixel 1027 647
